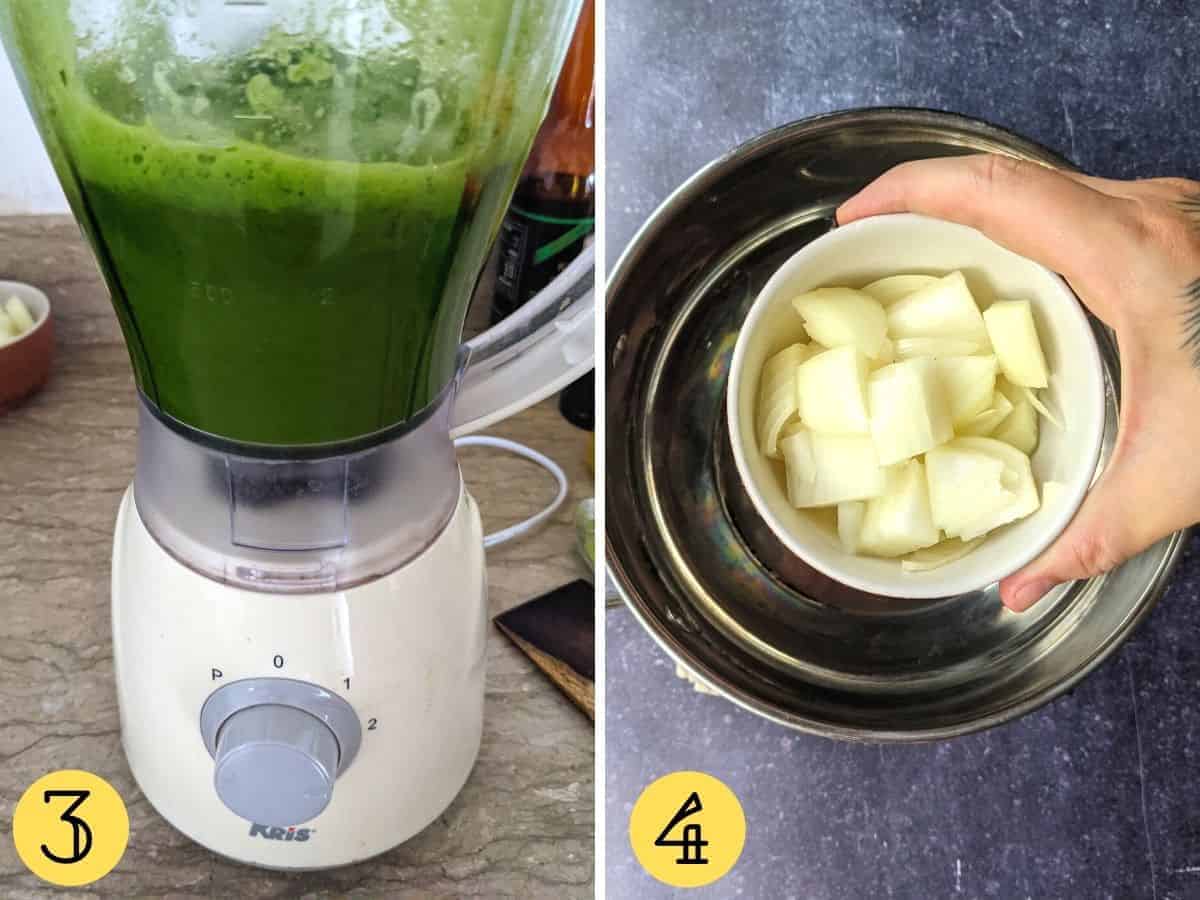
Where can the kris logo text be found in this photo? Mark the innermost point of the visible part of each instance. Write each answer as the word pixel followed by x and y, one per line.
pixel 275 833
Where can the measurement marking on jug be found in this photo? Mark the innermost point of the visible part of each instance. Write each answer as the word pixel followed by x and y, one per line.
pixel 213 293
pixel 277 661
pixel 371 724
pixel 347 681
pixel 217 674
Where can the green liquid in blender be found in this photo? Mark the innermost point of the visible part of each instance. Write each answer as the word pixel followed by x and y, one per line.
pixel 291 232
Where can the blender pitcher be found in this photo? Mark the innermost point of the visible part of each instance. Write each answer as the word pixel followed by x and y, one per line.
pixel 291 201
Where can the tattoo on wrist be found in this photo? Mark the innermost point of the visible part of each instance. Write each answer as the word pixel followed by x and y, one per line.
pixel 1191 321
pixel 1189 204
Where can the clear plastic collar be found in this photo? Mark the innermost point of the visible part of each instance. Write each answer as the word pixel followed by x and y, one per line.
pixel 252 518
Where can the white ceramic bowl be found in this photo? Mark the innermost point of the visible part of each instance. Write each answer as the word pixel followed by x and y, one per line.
pixel 856 254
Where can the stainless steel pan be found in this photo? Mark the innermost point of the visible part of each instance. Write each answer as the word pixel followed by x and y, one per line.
pixel 685 546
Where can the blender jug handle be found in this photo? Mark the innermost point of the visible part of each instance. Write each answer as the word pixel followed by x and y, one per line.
pixel 535 352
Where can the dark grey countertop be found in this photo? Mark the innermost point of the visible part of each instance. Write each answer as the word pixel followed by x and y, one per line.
pixel 1091 797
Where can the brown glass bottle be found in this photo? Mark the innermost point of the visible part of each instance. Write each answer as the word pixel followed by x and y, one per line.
pixel 554 206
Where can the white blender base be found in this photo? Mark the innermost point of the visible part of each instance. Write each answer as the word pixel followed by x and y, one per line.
pixel 411 643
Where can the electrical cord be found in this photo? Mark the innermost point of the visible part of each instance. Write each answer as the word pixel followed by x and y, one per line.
pixel 521 528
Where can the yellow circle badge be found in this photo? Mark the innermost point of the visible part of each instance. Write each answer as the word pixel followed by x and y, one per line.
pixel 70 828
pixel 687 829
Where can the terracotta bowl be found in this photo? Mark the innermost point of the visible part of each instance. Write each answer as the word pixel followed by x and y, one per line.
pixel 25 363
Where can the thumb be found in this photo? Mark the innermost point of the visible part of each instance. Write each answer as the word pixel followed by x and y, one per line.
pixel 1060 222
pixel 1104 533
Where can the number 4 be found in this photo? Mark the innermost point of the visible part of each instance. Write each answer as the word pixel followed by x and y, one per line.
pixel 692 843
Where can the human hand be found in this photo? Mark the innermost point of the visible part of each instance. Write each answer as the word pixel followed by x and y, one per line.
pixel 1131 251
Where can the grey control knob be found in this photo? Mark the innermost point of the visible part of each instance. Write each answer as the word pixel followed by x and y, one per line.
pixel 275 764
pixel 278 745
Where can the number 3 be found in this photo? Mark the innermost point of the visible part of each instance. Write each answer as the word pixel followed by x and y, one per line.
pixel 77 825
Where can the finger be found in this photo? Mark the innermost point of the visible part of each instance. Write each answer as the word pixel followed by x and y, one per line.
pixel 1112 187
pixel 1101 536
pixel 1168 189
pixel 1030 209
pixel 1142 496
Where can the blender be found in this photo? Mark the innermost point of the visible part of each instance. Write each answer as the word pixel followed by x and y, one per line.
pixel 291 201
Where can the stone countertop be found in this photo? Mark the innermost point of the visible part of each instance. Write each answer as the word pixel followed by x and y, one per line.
pixel 522 827
pixel 1094 795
